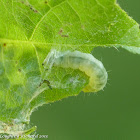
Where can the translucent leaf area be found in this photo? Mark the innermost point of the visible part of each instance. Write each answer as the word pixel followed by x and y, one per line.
pixel 29 29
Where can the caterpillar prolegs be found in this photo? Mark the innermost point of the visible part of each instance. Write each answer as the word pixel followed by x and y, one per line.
pixel 85 62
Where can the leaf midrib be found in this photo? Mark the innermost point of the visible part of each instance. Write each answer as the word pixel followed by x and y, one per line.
pixel 9 41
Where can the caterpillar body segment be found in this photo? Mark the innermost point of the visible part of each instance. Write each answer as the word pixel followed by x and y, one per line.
pixel 85 62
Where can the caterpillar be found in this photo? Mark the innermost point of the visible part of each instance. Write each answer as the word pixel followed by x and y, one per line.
pixel 85 62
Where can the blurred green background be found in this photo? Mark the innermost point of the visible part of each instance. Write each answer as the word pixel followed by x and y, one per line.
pixel 112 114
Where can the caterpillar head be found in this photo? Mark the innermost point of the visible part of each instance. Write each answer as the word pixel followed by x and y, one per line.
pixel 50 59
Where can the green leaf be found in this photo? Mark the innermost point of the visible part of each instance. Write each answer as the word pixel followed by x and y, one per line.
pixel 29 29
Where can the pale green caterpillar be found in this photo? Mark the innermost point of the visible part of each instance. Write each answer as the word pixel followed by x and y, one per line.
pixel 84 62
